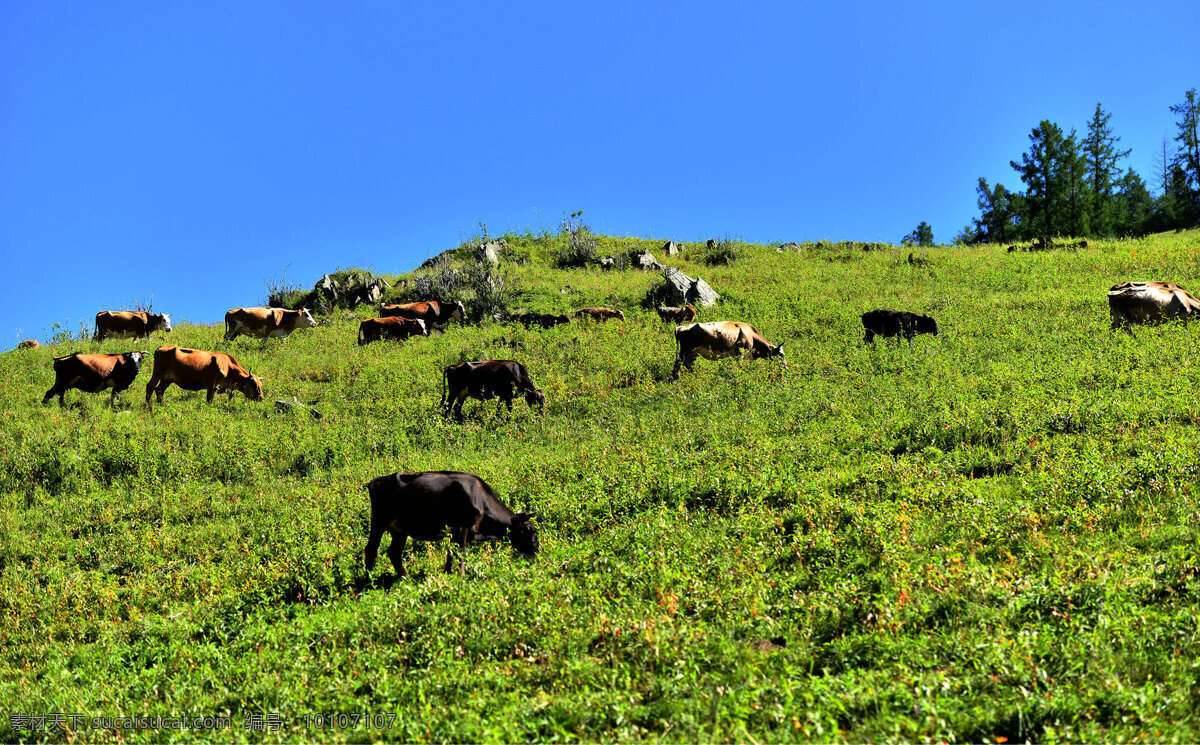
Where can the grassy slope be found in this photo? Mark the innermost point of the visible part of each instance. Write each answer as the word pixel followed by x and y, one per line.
pixel 988 533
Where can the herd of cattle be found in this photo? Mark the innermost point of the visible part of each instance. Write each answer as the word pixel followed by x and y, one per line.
pixel 425 505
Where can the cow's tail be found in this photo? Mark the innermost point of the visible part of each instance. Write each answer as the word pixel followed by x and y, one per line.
pixel 360 335
pixel 445 388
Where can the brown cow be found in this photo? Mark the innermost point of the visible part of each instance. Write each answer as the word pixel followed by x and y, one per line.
pixel 423 505
pixel 92 373
pixel 686 314
pixel 134 323
pixel 1149 303
pixel 487 379
pixel 29 344
pixel 197 370
pixel 265 323
pixel 374 329
pixel 719 339
pixel 437 316
pixel 599 314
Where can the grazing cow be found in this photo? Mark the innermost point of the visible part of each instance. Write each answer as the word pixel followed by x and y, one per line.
pixel 543 320
pixel 437 316
pixel 487 379
pixel 719 339
pixel 686 314
pixel 197 370
pixel 134 323
pixel 599 314
pixel 423 505
pixel 29 344
pixel 265 323
pixel 1149 303
pixel 92 373
pixel 889 323
pixel 374 329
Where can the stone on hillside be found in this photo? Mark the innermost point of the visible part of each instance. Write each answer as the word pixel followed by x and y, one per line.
pixel 489 251
pixel 682 289
pixel 670 248
pixel 646 261
pixel 788 247
pixel 351 290
pixel 608 262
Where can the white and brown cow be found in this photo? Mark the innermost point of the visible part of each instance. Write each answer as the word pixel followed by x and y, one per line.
pixel 130 323
pixel 92 373
pixel 265 323
pixel 719 339
pixel 1147 303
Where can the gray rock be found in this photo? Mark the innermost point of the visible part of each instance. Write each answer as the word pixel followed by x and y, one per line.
pixel 295 405
pixel 788 247
pixel 682 289
pixel 489 251
pixel 608 262
pixel 670 248
pixel 646 262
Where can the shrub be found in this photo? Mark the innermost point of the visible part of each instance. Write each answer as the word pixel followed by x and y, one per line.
pixel 724 251
pixel 581 244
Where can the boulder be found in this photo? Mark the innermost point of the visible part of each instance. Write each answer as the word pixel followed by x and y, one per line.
pixel 646 262
pixel 608 262
pixel 670 248
pixel 351 289
pixel 788 247
pixel 681 289
pixel 489 251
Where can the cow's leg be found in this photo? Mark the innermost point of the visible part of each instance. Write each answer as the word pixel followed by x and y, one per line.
pixel 458 404
pixel 870 337
pixel 372 549
pixel 395 552
pixel 55 391
pixel 459 536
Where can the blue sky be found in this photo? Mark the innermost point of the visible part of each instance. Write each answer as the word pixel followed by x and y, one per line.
pixel 189 152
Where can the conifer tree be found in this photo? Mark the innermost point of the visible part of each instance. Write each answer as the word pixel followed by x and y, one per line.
pixel 1041 170
pixel 1185 174
pixel 1077 194
pixel 1100 150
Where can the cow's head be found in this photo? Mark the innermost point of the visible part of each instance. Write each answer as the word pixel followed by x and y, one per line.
pixel 136 358
pixel 306 317
pixel 251 387
pixel 459 311
pixel 926 325
pixel 534 397
pixel 523 535
pixel 422 326
pixel 778 352
pixel 160 321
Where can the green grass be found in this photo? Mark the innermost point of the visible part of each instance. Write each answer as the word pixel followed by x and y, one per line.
pixel 987 534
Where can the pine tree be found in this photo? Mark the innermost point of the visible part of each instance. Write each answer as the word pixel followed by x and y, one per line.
pixel 1135 205
pixel 921 236
pixel 996 216
pixel 1102 156
pixel 1041 170
pixel 1077 194
pixel 1187 159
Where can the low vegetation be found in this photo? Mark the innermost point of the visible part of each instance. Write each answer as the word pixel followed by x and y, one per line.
pixel 987 535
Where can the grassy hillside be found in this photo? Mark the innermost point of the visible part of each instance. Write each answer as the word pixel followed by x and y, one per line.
pixel 987 534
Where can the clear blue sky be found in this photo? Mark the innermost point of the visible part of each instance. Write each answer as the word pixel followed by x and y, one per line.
pixel 190 151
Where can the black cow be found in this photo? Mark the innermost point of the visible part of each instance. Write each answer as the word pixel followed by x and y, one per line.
pixel 487 379
pixel 423 505
pixel 92 373
pixel 544 320
pixel 888 323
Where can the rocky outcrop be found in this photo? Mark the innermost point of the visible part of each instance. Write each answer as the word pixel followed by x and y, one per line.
pixel 681 289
